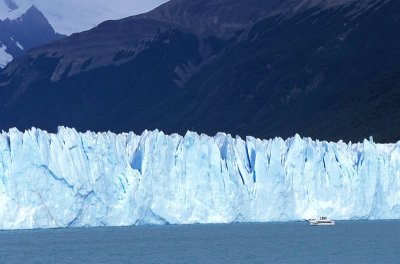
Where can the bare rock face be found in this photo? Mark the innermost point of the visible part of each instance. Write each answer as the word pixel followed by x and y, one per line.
pixel 215 17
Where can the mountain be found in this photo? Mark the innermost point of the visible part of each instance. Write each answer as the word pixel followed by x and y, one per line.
pixel 325 69
pixel 72 179
pixel 128 51
pixel 68 17
pixel 331 74
pixel 19 35
pixel 25 24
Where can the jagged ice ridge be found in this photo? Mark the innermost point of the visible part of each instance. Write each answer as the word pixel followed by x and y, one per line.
pixel 72 179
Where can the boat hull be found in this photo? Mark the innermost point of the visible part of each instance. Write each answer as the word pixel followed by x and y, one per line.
pixel 322 224
pixel 319 223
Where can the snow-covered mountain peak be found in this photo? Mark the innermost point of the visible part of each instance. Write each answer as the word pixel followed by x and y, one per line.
pixel 72 16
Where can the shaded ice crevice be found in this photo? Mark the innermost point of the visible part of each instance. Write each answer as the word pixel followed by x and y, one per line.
pixel 88 179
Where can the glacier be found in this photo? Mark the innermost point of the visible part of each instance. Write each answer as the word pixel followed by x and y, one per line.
pixel 72 179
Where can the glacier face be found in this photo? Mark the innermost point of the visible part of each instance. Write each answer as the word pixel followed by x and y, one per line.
pixel 72 179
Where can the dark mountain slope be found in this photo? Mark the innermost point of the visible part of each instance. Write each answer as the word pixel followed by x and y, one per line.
pixel 329 73
pixel 121 68
pixel 126 38
pixel 119 91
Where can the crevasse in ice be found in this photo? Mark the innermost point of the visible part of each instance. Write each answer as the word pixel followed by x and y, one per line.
pixel 72 179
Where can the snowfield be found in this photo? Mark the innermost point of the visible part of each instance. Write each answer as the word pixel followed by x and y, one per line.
pixel 4 56
pixel 72 179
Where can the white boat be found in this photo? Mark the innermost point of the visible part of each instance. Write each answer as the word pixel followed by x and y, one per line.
pixel 323 220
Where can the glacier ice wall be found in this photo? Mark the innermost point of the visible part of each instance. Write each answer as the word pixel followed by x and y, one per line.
pixel 88 179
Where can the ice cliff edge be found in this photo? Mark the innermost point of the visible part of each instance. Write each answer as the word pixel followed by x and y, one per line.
pixel 95 179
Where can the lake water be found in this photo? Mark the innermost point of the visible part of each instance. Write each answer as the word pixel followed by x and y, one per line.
pixel 347 242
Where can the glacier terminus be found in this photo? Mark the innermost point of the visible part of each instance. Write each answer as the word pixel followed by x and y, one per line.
pixel 72 179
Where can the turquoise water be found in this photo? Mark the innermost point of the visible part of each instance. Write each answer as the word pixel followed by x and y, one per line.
pixel 347 242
